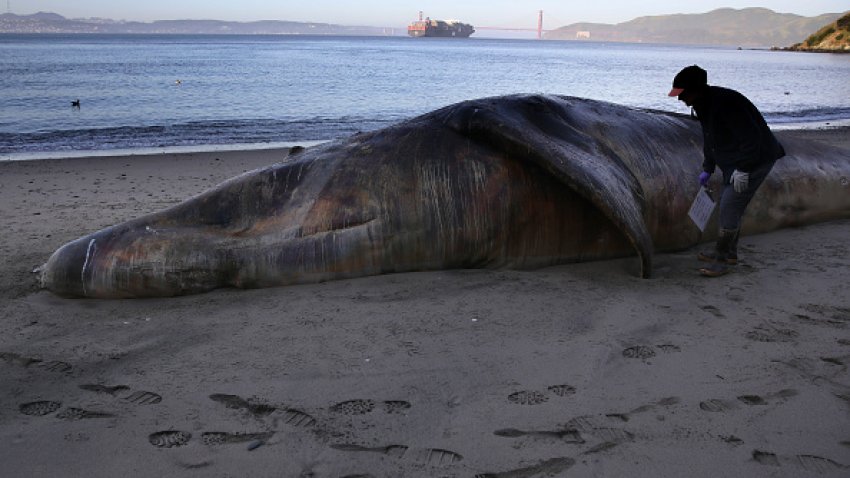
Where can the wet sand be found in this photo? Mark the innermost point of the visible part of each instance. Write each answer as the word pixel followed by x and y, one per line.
pixel 575 370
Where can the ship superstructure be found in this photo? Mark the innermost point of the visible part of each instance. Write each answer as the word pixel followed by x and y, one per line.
pixel 439 28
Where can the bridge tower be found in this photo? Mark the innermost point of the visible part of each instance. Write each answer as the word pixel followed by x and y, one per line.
pixel 540 25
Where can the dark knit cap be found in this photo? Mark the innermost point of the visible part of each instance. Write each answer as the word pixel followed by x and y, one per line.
pixel 691 77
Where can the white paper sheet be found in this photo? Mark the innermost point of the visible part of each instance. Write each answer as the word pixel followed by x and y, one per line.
pixel 701 209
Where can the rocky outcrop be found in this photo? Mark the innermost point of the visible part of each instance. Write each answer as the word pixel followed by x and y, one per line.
pixel 834 37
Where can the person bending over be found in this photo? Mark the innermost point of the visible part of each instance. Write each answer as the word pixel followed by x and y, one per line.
pixel 738 141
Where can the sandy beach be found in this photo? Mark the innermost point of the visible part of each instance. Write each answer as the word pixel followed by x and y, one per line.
pixel 576 370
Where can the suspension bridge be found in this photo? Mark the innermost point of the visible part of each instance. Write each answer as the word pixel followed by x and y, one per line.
pixel 539 28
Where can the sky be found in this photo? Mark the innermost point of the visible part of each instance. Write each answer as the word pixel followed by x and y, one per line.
pixel 398 13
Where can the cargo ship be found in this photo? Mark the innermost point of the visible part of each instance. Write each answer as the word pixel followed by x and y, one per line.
pixel 439 28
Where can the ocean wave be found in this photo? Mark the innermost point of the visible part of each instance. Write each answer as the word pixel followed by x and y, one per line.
pixel 212 132
pixel 813 115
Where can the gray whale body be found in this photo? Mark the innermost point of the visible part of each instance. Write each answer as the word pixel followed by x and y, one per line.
pixel 521 181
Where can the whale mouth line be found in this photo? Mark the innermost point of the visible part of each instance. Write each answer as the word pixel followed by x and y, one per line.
pixel 90 251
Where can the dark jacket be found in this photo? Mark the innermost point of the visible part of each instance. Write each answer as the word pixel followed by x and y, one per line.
pixel 735 133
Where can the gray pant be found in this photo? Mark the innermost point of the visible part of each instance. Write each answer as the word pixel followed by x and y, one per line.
pixel 732 204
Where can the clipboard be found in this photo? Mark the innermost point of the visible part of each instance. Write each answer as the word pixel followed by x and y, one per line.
pixel 701 209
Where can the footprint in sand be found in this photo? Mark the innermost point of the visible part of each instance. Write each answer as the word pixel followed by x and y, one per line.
pixel 528 397
pixel 238 403
pixel 717 405
pixel 752 400
pixel 732 440
pixel 840 361
pixel 39 408
pixel 644 352
pixel 139 397
pixel 105 389
pixel 562 390
pixel 713 311
pixel 828 315
pixel 395 451
pixel 354 407
pixel 664 402
pixel 396 406
pixel 176 438
pixel 810 463
pixel 759 400
pixel 50 366
pixel 545 468
pixel 80 414
pixel 169 438
pixel 143 398
pixel 224 438
pixel 55 366
pixel 295 418
pixel 536 397
pixel 288 416
pixel 46 407
pixel 639 352
pixel 604 428
pixel 362 407
pixel 602 447
pixel 770 334
pixel 436 457
pixel 668 348
pixel 566 435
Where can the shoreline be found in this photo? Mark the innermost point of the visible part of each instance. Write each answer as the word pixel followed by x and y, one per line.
pixel 841 126
pixel 153 151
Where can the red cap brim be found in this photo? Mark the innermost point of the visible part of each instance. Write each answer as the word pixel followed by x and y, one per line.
pixel 676 92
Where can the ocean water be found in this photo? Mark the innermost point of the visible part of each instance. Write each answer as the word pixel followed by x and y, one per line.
pixel 194 92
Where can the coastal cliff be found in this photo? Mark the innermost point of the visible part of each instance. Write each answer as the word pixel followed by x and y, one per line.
pixel 834 37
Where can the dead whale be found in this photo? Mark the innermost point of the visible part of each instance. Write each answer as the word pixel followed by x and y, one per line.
pixel 520 181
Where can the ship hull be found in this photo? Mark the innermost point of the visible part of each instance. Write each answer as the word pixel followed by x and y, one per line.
pixel 441 29
pixel 442 34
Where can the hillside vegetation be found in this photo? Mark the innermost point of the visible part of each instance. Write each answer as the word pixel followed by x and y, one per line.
pixel 45 22
pixel 749 27
pixel 834 37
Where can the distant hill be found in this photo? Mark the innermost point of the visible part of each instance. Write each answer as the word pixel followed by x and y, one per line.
pixel 834 37
pixel 53 23
pixel 749 27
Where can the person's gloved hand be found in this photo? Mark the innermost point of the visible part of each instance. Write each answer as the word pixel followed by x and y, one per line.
pixel 739 181
pixel 703 178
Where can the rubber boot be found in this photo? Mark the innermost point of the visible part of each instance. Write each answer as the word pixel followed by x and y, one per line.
pixel 720 265
pixel 731 258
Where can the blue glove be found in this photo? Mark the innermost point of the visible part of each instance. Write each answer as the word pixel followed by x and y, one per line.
pixel 703 178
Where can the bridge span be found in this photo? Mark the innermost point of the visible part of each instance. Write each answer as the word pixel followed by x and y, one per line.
pixel 539 28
